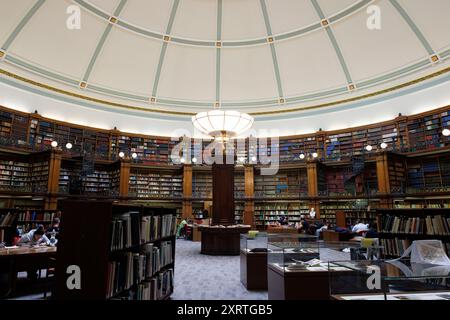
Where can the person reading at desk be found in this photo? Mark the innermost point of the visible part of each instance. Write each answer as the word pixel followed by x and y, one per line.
pixel 35 237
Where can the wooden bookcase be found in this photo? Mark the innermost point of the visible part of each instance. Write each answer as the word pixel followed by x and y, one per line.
pixel 147 183
pixel 87 241
pixel 397 228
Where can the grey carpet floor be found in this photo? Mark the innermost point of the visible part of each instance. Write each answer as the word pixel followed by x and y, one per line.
pixel 202 277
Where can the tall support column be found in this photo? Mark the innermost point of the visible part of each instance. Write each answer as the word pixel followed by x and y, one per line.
pixel 125 168
pixel 187 191
pixel 313 186
pixel 384 187
pixel 223 194
pixel 249 210
pixel 54 168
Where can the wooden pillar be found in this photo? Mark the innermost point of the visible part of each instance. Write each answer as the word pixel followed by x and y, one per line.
pixel 384 186
pixel 187 191
pixel 51 203
pixel 383 174
pixel 223 194
pixel 313 186
pixel 54 168
pixel 311 171
pixel 124 180
pixel 249 209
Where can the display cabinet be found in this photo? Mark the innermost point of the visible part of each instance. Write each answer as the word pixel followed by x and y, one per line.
pixel 253 260
pixel 389 280
pixel 294 254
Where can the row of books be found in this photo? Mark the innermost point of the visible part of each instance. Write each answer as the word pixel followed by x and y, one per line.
pixel 35 216
pixel 130 269
pixel 6 220
pixel 394 247
pixel 130 229
pixel 157 287
pixel 125 231
pixel 156 227
pixel 430 225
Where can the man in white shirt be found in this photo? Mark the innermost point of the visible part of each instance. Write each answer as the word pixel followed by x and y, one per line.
pixel 35 237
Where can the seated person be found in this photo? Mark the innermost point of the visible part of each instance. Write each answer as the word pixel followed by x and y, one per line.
pixel 302 226
pixel 320 227
pixel 360 227
pixel 283 221
pixel 35 237
pixel 54 227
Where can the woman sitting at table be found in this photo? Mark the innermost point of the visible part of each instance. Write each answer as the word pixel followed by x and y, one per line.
pixel 35 237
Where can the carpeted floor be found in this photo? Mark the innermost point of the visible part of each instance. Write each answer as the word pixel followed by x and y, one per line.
pixel 200 277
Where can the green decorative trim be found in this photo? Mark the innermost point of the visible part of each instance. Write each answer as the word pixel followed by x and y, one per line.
pixel 272 48
pixel 162 55
pixel 413 26
pixel 22 24
pixel 334 42
pixel 85 100
pixel 16 61
pixel 219 50
pixel 230 43
pixel 102 41
pixel 357 6
pixel 43 72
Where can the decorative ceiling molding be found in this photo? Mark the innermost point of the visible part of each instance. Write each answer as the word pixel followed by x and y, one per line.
pixel 80 98
pixel 129 26
pixel 365 84
pixel 425 43
pixel 22 24
pixel 164 50
pixel 101 43
pixel 273 51
pixel 218 51
pixel 326 25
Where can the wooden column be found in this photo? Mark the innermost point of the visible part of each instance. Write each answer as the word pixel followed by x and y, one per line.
pixel 187 191
pixel 223 194
pixel 54 168
pixel 125 168
pixel 249 210
pixel 383 173
pixel 384 186
pixel 313 186
pixel 311 171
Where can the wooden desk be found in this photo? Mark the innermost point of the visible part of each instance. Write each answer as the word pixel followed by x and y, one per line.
pixel 17 259
pixel 330 235
pixel 196 234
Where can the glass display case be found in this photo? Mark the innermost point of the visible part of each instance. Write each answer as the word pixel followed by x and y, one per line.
pixel 389 280
pixel 254 243
pixel 294 253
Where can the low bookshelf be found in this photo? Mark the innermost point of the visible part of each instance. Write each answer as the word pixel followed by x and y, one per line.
pixel 124 252
pixel 398 228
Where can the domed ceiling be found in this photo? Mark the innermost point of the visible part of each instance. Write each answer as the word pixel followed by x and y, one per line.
pixel 179 57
